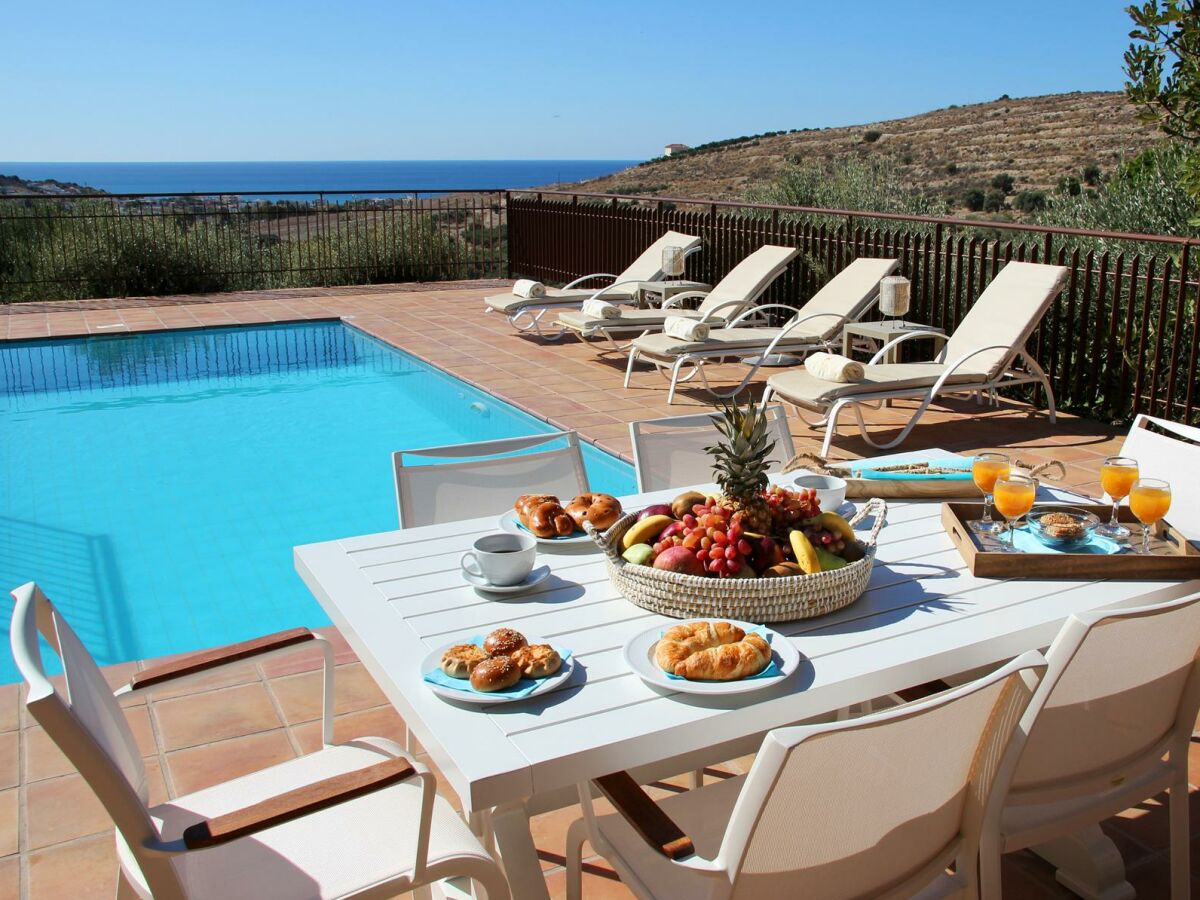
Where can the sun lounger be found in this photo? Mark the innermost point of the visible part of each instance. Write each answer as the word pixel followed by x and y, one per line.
pixel 734 294
pixel 525 313
pixel 986 353
pixel 845 298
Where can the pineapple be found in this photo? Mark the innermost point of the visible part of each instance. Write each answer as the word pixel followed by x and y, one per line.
pixel 740 462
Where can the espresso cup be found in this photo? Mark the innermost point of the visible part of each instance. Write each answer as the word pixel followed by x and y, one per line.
pixel 501 559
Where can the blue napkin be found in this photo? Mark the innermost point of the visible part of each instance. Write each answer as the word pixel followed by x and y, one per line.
pixel 1026 540
pixel 557 537
pixel 769 672
pixel 866 469
pixel 522 688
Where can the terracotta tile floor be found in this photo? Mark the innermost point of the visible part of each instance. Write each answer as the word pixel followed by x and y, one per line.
pixel 55 839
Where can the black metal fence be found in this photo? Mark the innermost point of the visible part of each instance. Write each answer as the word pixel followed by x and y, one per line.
pixel 120 245
pixel 1121 338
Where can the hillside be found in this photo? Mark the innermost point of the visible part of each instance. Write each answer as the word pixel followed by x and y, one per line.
pixel 1036 140
pixel 11 184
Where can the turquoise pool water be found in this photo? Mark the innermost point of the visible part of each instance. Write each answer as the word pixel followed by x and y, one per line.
pixel 155 484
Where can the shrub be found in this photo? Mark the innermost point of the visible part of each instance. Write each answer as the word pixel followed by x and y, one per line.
pixel 906 159
pixel 973 199
pixel 993 201
pixel 951 168
pixel 1003 183
pixel 1030 201
pixel 1091 175
pixel 848 183
pixel 1069 185
pixel 872 136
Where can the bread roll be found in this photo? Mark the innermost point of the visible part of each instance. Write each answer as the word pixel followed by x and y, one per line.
pixel 728 662
pixel 681 641
pixel 459 660
pixel 495 674
pixel 547 520
pixel 504 642
pixel 599 509
pixel 537 660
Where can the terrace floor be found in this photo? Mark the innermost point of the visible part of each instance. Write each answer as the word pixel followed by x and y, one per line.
pixel 55 838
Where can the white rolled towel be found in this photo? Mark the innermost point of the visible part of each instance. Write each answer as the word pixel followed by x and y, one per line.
pixel 685 329
pixel 530 289
pixel 601 309
pixel 834 367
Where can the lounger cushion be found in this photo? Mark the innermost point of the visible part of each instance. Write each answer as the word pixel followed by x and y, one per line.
pixel 648 318
pixel 732 339
pixel 800 387
pixel 511 303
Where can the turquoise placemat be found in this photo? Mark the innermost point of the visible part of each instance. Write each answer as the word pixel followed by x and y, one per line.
pixel 1026 540
pixel 866 469
pixel 522 688
pixel 769 672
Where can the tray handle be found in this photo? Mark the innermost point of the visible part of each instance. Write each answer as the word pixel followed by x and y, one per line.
pixel 876 507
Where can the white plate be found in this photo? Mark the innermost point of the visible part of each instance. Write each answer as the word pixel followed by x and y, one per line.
pixel 512 524
pixel 434 661
pixel 639 653
pixel 537 576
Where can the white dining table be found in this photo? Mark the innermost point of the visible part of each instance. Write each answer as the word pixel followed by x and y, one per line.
pixel 398 595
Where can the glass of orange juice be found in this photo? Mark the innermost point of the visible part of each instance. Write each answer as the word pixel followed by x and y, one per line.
pixel 1149 498
pixel 1014 496
pixel 1117 475
pixel 985 469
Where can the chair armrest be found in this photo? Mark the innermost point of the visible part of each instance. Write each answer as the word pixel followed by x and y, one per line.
pixel 217 657
pixel 736 305
pixel 755 310
pixel 294 804
pixel 582 278
pixel 645 816
pixel 911 335
pixel 677 299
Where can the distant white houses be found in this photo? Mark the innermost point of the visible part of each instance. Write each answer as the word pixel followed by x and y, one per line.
pixel 672 149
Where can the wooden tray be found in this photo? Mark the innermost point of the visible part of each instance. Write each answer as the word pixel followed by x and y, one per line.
pixel 1171 556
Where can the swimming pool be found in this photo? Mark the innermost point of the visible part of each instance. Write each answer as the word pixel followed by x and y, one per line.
pixel 155 484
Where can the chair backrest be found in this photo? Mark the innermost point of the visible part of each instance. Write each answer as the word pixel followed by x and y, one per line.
pixel 670 452
pixel 86 723
pixel 1170 450
pixel 847 295
pixel 878 805
pixel 1119 683
pixel 463 481
pixel 746 281
pixel 1005 314
pixel 648 266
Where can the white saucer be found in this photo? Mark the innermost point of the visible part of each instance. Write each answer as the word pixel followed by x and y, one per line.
pixel 537 576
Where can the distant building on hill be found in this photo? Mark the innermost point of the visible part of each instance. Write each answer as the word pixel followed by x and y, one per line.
pixel 672 149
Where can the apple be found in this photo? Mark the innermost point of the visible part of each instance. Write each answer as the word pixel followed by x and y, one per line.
pixel 658 509
pixel 679 559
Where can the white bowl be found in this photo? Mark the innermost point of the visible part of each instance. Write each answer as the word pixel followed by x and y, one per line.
pixel 831 490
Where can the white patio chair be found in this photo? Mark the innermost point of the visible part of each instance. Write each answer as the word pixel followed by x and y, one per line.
pixel 986 353
pixel 735 293
pixel 872 807
pixel 816 326
pixel 360 819
pixel 1108 727
pixel 525 313
pixel 670 453
pixel 463 481
pixel 1170 450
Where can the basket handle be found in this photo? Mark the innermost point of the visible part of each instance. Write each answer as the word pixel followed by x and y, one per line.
pixel 608 545
pixel 877 507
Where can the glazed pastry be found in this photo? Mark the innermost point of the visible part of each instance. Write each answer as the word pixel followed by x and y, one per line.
pixel 537 660
pixel 504 642
pixel 548 519
pixel 681 641
pixel 459 660
pixel 728 662
pixel 599 509
pixel 526 502
pixel 495 674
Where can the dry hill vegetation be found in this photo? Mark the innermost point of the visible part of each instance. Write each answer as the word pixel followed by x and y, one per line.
pixel 947 152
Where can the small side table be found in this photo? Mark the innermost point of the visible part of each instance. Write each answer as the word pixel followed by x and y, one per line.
pixel 880 333
pixel 665 290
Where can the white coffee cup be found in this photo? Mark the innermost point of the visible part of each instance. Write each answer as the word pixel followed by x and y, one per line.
pixel 501 559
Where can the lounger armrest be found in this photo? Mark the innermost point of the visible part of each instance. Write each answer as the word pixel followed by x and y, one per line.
pixel 741 317
pixel 728 304
pixel 580 280
pixel 645 816
pixel 677 299
pixel 895 342
pixel 599 295
pixel 217 657
pixel 300 802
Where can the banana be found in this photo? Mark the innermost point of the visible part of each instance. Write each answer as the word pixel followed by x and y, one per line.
pixel 806 553
pixel 645 531
pixel 831 521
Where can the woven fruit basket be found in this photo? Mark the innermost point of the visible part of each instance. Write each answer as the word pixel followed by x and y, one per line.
pixel 748 599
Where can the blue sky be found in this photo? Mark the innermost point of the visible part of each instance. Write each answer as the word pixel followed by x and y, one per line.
pixel 267 79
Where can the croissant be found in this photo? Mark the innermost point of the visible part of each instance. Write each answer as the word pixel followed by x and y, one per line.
pixel 548 520
pixel 681 641
pixel 728 662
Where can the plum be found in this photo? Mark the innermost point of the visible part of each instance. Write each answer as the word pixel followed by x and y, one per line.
pixel 658 509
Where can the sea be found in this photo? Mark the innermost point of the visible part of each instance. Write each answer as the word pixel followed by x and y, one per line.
pixel 363 178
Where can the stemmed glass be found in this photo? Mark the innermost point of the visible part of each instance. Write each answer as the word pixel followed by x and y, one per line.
pixel 1014 497
pixel 1149 499
pixel 1117 475
pixel 986 468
